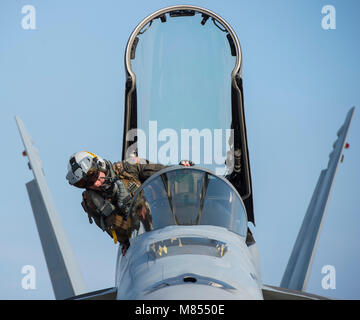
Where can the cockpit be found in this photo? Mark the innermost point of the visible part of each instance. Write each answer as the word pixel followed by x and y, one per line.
pixel 185 197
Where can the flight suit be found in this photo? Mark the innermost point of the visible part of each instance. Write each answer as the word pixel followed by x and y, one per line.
pixel 103 206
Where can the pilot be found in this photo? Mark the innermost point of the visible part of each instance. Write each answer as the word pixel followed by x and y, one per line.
pixel 109 188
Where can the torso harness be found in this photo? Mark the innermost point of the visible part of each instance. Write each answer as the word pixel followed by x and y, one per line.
pixel 117 197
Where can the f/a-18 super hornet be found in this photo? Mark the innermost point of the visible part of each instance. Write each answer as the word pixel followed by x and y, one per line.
pixel 184 83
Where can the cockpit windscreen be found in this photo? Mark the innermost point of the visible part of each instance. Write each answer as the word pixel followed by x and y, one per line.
pixel 189 197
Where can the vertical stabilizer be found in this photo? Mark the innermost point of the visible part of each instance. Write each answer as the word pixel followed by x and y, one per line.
pixel 299 266
pixel 65 275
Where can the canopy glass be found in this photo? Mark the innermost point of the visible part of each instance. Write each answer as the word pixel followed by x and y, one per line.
pixel 188 196
pixel 183 80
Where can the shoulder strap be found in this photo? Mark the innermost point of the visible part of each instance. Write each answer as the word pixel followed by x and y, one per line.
pixel 120 170
pixel 111 169
pixel 86 208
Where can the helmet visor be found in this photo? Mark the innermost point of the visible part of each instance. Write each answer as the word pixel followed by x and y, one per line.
pixel 90 178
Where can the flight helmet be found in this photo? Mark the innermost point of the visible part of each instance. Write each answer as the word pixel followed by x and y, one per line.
pixel 84 168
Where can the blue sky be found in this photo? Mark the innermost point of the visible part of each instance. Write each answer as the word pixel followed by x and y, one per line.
pixel 65 79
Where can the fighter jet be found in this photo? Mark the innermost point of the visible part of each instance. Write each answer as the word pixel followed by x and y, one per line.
pixel 183 81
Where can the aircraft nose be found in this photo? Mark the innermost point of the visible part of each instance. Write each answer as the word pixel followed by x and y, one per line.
pixel 192 291
pixel 190 286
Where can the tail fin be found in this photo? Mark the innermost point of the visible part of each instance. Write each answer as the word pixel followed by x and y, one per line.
pixel 299 266
pixel 65 275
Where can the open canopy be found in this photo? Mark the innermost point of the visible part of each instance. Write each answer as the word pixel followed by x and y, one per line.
pixel 184 94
